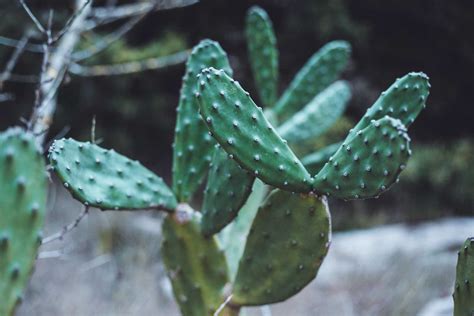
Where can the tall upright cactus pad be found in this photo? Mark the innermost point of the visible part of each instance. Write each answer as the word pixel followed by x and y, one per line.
pixel 403 100
pixel 367 163
pixel 464 287
pixel 193 147
pixel 314 162
pixel 196 267
pixel 107 180
pixel 286 245
pixel 243 131
pixel 263 53
pixel 318 115
pixel 22 208
pixel 228 187
pixel 323 68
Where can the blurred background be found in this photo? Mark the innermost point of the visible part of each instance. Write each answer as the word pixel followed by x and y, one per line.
pixel 135 113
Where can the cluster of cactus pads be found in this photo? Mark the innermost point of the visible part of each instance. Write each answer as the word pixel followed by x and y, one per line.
pixel 264 227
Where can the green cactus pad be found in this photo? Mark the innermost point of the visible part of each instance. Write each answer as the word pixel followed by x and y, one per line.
pixel 263 53
pixel 318 115
pixel 107 180
pixel 196 267
pixel 228 187
pixel 286 245
pixel 367 163
pixel 464 287
pixel 22 207
pixel 315 161
pixel 320 71
pixel 193 147
pixel 245 134
pixel 404 100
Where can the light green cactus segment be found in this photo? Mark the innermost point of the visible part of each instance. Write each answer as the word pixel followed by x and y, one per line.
pixel 315 162
pixel 196 267
pixel 367 163
pixel 233 236
pixel 285 247
pixel 322 69
pixel 318 115
pixel 228 187
pixel 107 180
pixel 403 100
pixel 193 146
pixel 464 286
pixel 245 134
pixel 263 53
pixel 23 194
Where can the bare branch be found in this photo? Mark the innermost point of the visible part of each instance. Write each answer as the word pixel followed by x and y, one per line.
pixel 60 235
pixel 130 67
pixel 35 48
pixel 33 17
pixel 5 75
pixel 69 22
pixel 6 97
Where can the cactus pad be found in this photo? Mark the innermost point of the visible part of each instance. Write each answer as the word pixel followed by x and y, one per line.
pixel 193 147
pixel 318 115
pixel 320 71
pixel 107 180
pixel 228 187
pixel 22 207
pixel 196 266
pixel 464 287
pixel 367 163
pixel 263 53
pixel 245 134
pixel 286 245
pixel 315 161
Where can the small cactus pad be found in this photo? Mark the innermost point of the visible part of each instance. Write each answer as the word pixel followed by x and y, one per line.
pixel 464 287
pixel 318 115
pixel 263 53
pixel 315 161
pixel 243 131
pixel 107 180
pixel 228 187
pixel 22 207
pixel 404 100
pixel 196 267
pixel 285 247
pixel 367 163
pixel 319 72
pixel 193 147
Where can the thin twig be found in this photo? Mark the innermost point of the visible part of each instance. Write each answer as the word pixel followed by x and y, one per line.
pixel 6 97
pixel 5 75
pixel 223 305
pixel 66 229
pixel 9 42
pixel 68 24
pixel 93 130
pixel 53 254
pixel 130 67
pixel 38 24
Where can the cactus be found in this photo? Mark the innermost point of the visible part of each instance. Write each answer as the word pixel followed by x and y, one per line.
pixel 261 43
pixel 107 180
pixel 316 161
pixel 193 147
pixel 463 288
pixel 22 209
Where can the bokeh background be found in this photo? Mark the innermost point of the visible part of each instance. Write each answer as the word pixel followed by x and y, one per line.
pixel 135 113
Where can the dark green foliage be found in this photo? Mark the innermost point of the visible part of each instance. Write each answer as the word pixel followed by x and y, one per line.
pixel 463 288
pixel 286 245
pixel 193 146
pixel 228 187
pixel 243 131
pixel 315 161
pixel 22 208
pixel 107 180
pixel 263 54
pixel 196 267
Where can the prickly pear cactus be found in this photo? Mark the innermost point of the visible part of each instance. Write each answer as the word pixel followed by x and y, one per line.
pixel 22 206
pixel 319 72
pixel 318 115
pixel 263 54
pixel 286 245
pixel 463 288
pixel 196 266
pixel 107 180
pixel 314 162
pixel 241 128
pixel 228 187
pixel 367 163
pixel 193 147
